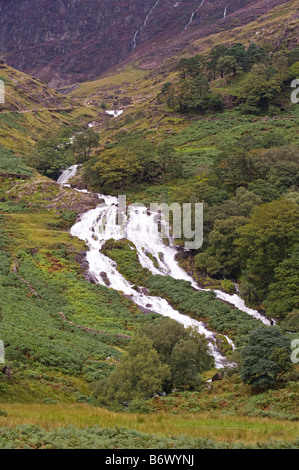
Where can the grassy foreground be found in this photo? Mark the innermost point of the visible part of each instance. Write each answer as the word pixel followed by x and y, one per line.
pixel 201 425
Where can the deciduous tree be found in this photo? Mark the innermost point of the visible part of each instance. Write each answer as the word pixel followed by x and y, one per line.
pixel 266 358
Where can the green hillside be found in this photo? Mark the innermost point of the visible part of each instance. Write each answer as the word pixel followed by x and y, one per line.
pixel 85 366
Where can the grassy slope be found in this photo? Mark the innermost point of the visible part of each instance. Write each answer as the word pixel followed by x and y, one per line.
pixel 40 279
pixel 280 24
pixel 47 299
pixel 31 109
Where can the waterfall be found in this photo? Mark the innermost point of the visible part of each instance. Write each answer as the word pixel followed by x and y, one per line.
pixel 191 18
pixel 225 10
pixel 90 229
pixel 98 225
pixel 134 42
pixel 66 175
pixel 239 303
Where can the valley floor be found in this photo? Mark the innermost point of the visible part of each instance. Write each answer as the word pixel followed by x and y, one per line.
pixel 161 430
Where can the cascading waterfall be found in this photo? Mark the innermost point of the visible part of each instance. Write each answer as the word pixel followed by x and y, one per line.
pixel 98 225
pixel 66 175
pixel 143 231
pixel 134 42
pixel 225 10
pixel 192 18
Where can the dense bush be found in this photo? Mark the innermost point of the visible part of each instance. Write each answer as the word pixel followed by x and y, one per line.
pixel 283 295
pixel 134 160
pixel 140 374
pixel 51 155
pixel 267 357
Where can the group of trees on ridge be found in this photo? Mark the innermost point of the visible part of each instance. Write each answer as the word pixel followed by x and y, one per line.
pixel 118 167
pixel 266 76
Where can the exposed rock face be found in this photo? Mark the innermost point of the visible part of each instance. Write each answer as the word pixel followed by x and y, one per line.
pixel 65 41
pixel 68 38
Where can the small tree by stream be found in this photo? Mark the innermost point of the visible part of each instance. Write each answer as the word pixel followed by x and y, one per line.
pixel 84 143
pixel 163 355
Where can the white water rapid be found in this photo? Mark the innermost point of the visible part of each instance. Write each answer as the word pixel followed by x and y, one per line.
pixel 100 224
pixel 134 42
pixel 192 17
pixel 115 113
pixel 66 175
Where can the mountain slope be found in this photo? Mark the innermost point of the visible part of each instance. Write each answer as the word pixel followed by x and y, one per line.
pixel 23 92
pixel 135 84
pixel 78 40
pixel 31 108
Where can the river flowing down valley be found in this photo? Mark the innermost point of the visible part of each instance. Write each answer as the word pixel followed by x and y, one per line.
pixel 98 225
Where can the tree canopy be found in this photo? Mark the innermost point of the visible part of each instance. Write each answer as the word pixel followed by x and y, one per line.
pixel 162 356
pixel 50 156
pixel 266 358
pixel 267 239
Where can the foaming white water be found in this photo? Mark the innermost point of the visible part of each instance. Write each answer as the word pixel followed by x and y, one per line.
pixel 239 303
pixel 143 231
pixel 115 113
pixel 99 225
pixel 66 175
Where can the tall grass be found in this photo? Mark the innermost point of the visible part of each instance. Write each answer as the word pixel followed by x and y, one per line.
pixel 204 425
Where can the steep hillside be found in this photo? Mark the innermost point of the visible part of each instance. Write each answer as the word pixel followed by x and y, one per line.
pixel 24 93
pixel 78 40
pixel 134 84
pixel 32 108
